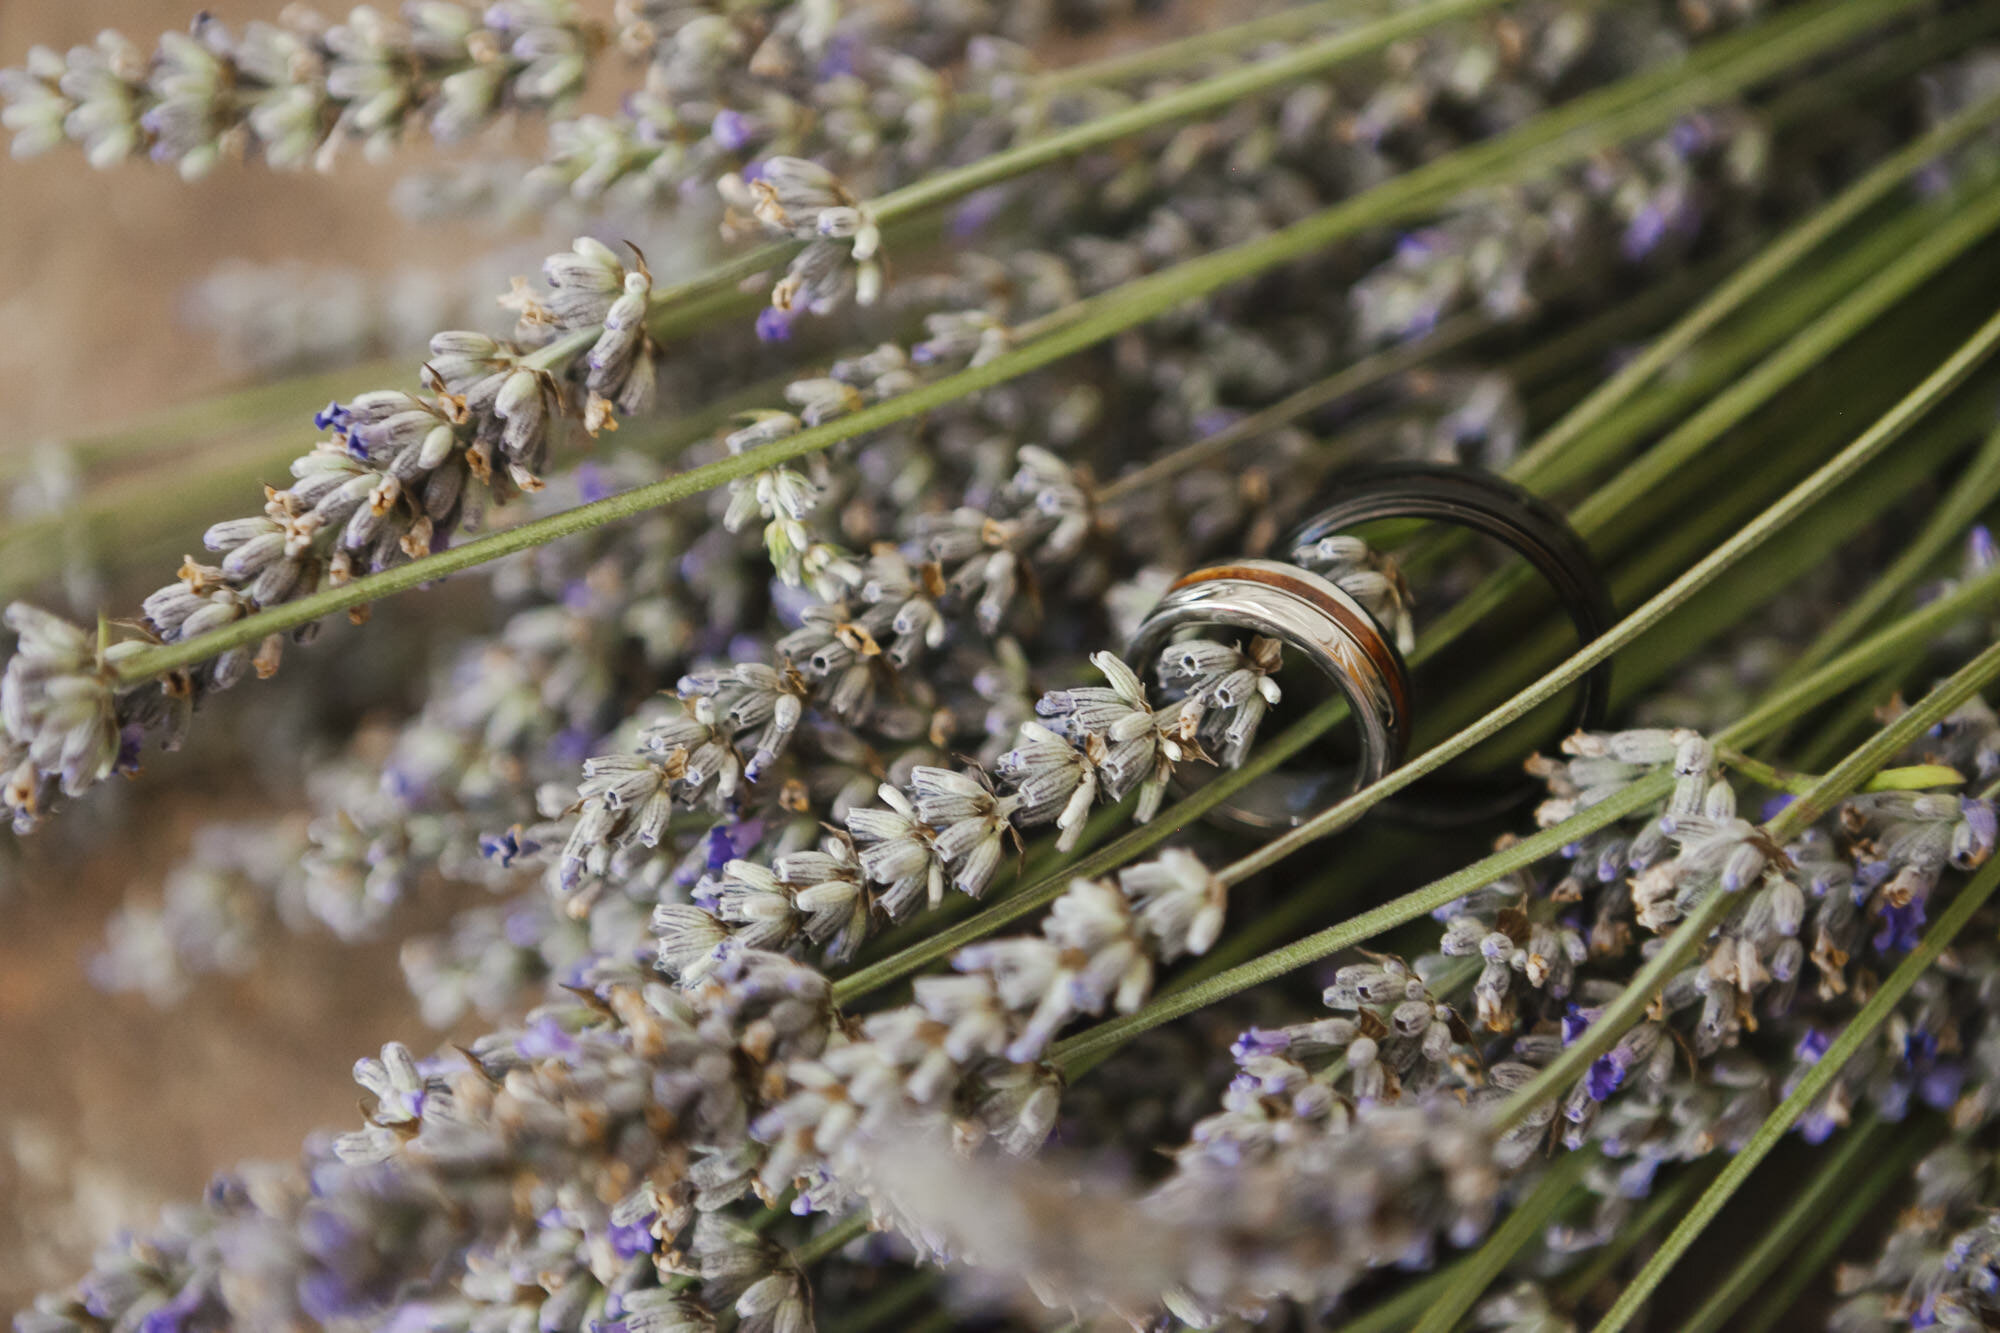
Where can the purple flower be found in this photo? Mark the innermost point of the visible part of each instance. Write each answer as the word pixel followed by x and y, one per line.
pixel 1636 1181
pixel 416 1317
pixel 733 130
pixel 326 1298
pixel 572 745
pixel 1574 1021
pixel 97 1298
pixel 721 848
pixel 1940 1087
pixel 591 483
pixel 544 1038
pixel 839 57
pixel 131 739
pixel 1980 546
pixel 405 787
pixel 635 1239
pixel 1215 420
pixel 1260 1041
pixel 1607 1073
pixel 1417 246
pixel 973 216
pixel 1690 135
pixel 774 325
pixel 523 929
pixel 1644 233
pixel 1902 927
pixel 504 847
pixel 1919 1048
pixel 331 417
pixel 1984 824
pixel 1812 1046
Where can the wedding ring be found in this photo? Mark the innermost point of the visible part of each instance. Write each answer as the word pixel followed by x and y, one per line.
pixel 1329 629
pixel 1495 507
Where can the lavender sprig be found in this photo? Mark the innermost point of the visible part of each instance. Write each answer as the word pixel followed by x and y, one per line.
pixel 399 473
pixel 298 90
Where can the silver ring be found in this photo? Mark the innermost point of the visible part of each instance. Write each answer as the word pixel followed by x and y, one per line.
pixel 1485 503
pixel 1307 613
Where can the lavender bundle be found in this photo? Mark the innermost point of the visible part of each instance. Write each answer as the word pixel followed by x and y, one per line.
pixel 838 694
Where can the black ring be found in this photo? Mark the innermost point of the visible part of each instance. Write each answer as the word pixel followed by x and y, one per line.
pixel 1469 497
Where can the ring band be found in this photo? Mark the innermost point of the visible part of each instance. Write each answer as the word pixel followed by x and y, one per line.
pixel 1485 503
pixel 1311 615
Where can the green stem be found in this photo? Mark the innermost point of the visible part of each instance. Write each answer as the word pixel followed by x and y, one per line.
pixel 1941 37
pixel 1958 233
pixel 848 1229
pixel 1829 1232
pixel 1196 99
pixel 1891 644
pixel 1815 1081
pixel 1720 359
pixel 151 511
pixel 1365 373
pixel 1869 757
pixel 1398 1312
pixel 1585 339
pixel 1914 777
pixel 1752 280
pixel 1722 496
pixel 1858 1146
pixel 1816 539
pixel 1962 504
pixel 1829 737
pixel 1582 343
pixel 259 405
pixel 1527 1220
pixel 1295 21
pixel 890 1304
pixel 1575 1288
pixel 1571 131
